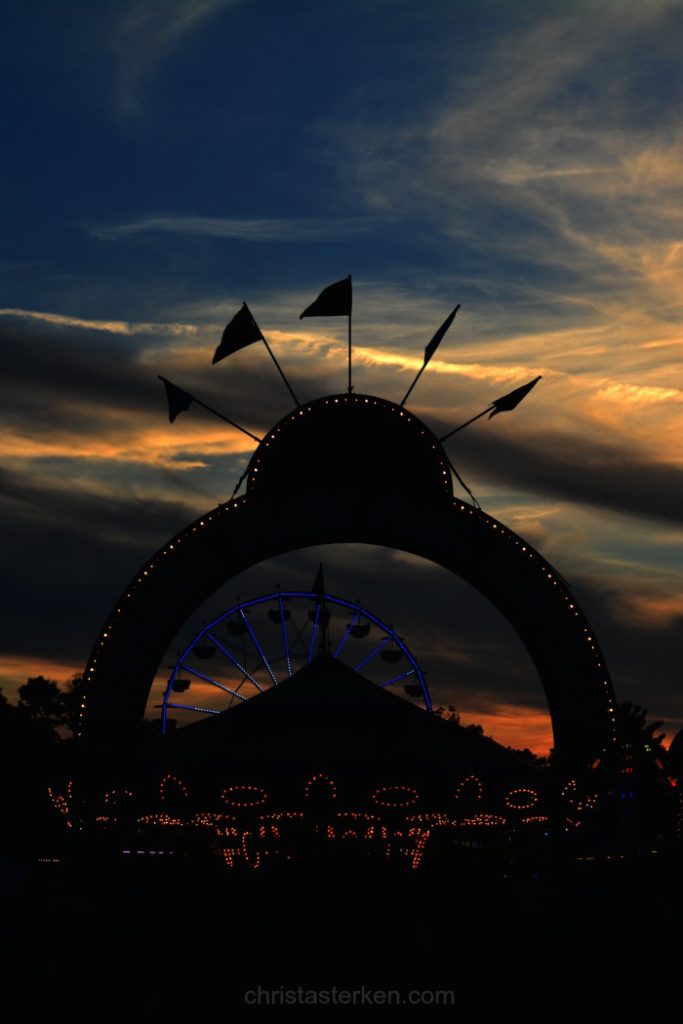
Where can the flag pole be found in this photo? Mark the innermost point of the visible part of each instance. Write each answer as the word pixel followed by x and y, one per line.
pixel 419 374
pixel 350 385
pixel 219 414
pixel 465 424
pixel 272 356
pixel 335 300
pixel 463 484
pixel 280 371
pixel 505 404
pixel 431 349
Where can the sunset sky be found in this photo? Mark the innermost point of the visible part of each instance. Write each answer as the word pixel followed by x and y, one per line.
pixel 165 161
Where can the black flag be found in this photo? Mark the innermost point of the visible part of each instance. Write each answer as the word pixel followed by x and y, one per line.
pixel 178 400
pixel 319 584
pixel 511 401
pixel 438 337
pixel 335 300
pixel 240 332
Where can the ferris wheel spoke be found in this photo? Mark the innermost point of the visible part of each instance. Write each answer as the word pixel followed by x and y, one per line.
pixel 371 655
pixel 262 653
pixel 347 634
pixel 299 638
pixel 214 682
pixel 191 707
pixel 237 689
pixel 231 658
pixel 397 679
pixel 285 639
pixel 237 647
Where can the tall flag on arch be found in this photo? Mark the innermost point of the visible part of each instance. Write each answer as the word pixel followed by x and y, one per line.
pixel 335 300
pixel 240 332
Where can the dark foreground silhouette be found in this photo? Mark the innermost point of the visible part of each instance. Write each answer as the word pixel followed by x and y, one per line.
pixel 190 942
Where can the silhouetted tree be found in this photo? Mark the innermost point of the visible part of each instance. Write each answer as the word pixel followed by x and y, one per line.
pixel 41 701
pixel 636 729
pixel 71 699
pixel 644 776
pixel 528 755
pixel 30 745
pixel 449 714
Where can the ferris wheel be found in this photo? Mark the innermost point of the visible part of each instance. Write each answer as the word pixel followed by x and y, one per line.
pixel 261 642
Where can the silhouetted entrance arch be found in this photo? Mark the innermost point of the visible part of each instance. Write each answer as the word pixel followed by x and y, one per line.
pixel 353 469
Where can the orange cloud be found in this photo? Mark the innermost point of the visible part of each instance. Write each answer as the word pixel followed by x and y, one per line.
pixel 657 611
pixel 157 446
pixel 16 669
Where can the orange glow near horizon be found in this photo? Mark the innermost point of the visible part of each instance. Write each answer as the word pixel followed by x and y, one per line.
pixel 16 669
pixel 514 725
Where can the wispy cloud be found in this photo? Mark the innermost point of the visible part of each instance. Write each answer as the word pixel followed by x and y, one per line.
pixel 556 177
pixel 145 33
pixel 551 158
pixel 289 229
pixel 108 326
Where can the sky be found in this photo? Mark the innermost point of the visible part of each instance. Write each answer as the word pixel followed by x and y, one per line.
pixel 165 161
